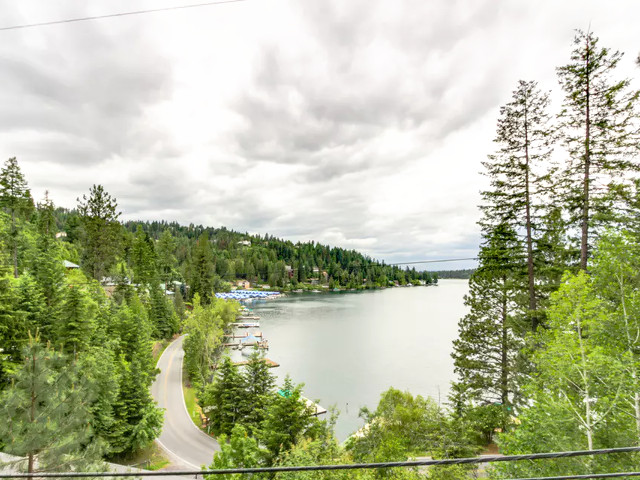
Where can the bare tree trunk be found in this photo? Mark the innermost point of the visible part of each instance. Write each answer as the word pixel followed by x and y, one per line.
pixel 32 416
pixel 504 367
pixel 530 271
pixel 588 423
pixel 584 243
pixel 14 240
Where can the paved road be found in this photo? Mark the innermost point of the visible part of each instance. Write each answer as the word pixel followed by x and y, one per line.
pixel 181 439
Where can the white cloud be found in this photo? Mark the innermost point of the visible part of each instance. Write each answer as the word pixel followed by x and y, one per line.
pixel 359 124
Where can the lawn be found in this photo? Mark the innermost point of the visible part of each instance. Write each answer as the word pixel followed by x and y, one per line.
pixel 190 400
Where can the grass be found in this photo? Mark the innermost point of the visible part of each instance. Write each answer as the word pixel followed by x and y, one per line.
pixel 148 458
pixel 190 399
pixel 159 347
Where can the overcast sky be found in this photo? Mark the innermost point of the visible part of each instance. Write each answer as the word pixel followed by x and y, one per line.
pixel 356 123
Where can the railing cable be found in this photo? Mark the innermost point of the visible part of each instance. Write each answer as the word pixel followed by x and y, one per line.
pixel 352 466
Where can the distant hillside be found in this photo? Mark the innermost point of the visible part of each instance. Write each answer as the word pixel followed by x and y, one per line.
pixel 226 257
pixel 281 263
pixel 465 274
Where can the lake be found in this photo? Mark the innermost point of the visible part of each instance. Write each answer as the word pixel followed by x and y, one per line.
pixel 349 347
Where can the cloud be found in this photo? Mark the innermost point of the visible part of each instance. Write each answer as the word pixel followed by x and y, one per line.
pixel 359 124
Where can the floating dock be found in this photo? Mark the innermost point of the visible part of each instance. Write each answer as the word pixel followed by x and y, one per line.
pixel 264 344
pixel 246 325
pixel 248 317
pixel 270 363
pixel 255 334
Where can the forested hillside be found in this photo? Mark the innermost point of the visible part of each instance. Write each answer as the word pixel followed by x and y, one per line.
pixel 217 256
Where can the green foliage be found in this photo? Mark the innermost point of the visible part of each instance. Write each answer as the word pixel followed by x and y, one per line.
pixel 223 400
pixel 287 419
pixel 143 259
pixel 487 352
pixel 45 413
pixel 15 199
pixel 100 231
pixel 598 126
pixel 203 344
pixel 202 271
pixel 76 324
pixel 259 384
pixel 584 394
pixel 403 426
pixel 161 314
pixel 237 451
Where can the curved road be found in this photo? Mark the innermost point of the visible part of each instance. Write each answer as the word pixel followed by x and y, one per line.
pixel 185 443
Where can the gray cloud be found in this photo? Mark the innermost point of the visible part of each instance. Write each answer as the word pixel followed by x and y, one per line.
pixel 360 124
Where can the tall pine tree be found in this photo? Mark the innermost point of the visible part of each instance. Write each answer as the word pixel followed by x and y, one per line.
pixel 599 127
pixel 518 172
pixel 100 231
pixel 491 335
pixel 16 200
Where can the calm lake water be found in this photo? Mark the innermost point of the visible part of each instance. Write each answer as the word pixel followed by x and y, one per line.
pixel 349 347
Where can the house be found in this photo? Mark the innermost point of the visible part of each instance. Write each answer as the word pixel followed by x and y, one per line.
pixel 61 235
pixel 243 284
pixel 244 243
pixel 70 265
pixel 289 271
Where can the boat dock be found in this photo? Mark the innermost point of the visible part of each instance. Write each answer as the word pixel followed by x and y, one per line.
pixel 270 363
pixel 255 334
pixel 248 317
pixel 246 325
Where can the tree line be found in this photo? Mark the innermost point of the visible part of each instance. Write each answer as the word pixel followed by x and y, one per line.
pixel 76 365
pixel 546 354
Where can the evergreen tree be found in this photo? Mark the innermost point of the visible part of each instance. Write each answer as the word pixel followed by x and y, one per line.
pixel 100 231
pixel 516 172
pixel 202 269
pixel 16 200
pixel 45 414
pixel 48 269
pixel 287 418
pixel 224 400
pixel 599 127
pixel 11 329
pixel 178 305
pixel 76 324
pixel 161 313
pixel 491 335
pixel 167 261
pixel 143 259
pixel 135 411
pixel 259 383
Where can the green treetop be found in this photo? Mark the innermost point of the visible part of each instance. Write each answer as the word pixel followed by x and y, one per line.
pixel 16 200
pixel 100 231
pixel 599 127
